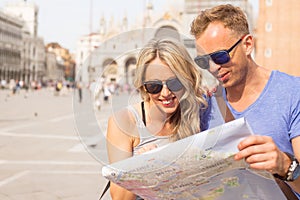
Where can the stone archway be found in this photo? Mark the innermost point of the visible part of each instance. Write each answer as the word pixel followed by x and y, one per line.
pixel 130 65
pixel 167 31
pixel 110 69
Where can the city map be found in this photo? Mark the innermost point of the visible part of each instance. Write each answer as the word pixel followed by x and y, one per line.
pixel 197 167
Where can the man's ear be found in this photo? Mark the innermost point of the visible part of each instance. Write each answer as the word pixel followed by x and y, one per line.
pixel 249 44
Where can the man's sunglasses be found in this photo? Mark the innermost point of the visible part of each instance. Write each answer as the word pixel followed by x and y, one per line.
pixel 218 57
pixel 155 87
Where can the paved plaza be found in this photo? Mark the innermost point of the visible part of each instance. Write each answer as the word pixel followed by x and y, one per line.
pixel 52 146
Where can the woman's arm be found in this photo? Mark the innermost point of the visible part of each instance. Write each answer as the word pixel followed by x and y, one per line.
pixel 120 146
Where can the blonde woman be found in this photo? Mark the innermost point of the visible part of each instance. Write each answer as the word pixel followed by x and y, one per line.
pixel 170 87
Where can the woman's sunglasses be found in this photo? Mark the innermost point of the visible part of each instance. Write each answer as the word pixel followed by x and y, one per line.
pixel 155 87
pixel 219 57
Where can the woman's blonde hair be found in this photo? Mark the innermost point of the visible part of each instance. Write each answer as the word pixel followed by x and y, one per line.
pixel 186 120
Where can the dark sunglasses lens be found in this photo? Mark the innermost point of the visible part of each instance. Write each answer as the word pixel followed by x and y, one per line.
pixel 174 85
pixel 202 62
pixel 220 57
pixel 153 87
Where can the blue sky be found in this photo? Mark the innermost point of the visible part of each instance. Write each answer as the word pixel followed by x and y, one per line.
pixel 64 21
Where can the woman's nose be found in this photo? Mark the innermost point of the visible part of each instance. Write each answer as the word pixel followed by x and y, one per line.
pixel 165 90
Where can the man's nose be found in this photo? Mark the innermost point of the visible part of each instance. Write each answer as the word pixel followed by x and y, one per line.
pixel 213 67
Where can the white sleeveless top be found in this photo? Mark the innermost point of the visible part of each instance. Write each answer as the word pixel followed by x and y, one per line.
pixel 145 136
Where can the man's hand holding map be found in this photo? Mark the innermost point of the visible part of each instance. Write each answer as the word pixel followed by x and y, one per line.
pixel 197 167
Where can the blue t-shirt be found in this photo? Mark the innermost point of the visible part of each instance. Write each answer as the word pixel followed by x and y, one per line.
pixel 210 116
pixel 276 112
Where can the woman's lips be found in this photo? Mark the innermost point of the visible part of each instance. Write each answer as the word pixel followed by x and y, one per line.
pixel 168 102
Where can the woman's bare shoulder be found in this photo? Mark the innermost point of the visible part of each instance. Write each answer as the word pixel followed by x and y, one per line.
pixel 124 120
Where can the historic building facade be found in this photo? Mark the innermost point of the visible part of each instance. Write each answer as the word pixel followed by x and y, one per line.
pixel 60 63
pixel 277 35
pixel 111 53
pixel 11 46
pixel 31 54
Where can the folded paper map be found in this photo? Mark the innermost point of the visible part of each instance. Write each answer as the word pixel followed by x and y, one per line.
pixel 197 167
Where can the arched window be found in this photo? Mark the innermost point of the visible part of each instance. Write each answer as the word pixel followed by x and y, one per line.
pixel 167 31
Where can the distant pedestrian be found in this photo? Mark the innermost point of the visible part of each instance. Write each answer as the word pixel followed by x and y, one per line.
pixel 58 87
pixel 106 93
pixel 79 88
pixel 12 86
pixel 3 84
pixel 98 96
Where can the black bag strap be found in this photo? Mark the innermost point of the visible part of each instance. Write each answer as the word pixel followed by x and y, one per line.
pixel 143 112
pixel 105 189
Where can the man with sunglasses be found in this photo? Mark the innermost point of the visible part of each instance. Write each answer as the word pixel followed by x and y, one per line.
pixel 269 100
